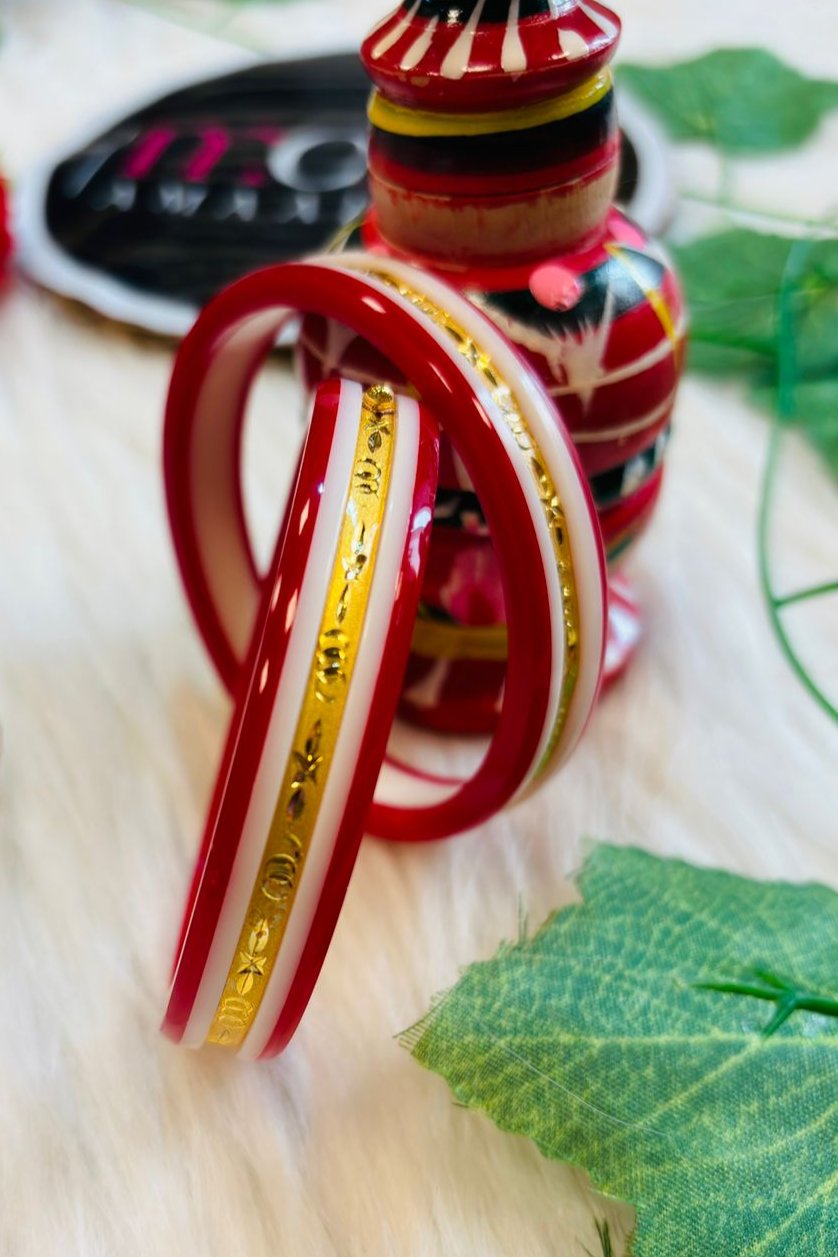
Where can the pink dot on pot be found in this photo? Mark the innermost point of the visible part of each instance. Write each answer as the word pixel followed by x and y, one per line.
pixel 555 287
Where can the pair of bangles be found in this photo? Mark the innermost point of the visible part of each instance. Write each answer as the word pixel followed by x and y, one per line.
pixel 314 649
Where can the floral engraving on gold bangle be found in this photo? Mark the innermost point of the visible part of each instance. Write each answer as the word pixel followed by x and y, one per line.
pixel 307 770
pixel 513 416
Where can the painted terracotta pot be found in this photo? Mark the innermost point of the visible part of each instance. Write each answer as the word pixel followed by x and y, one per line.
pixel 493 162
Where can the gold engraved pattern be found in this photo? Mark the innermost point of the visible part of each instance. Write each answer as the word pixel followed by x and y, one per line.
pixel 307 770
pixel 504 398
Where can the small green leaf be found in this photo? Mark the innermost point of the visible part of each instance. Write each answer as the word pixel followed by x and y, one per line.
pixel 661 1035
pixel 733 281
pixel 743 99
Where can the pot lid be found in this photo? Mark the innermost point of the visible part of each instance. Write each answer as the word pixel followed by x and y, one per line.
pixel 473 55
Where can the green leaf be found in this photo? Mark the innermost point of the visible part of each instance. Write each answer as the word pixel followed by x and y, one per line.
pixel 661 1035
pixel 743 99
pixel 733 281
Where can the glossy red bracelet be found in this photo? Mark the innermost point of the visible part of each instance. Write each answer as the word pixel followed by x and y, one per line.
pixel 310 726
pixel 520 459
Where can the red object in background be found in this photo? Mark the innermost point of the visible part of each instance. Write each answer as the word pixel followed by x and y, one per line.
pixel 5 233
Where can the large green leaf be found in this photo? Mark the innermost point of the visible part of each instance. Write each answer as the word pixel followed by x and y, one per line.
pixel 663 1036
pixel 742 99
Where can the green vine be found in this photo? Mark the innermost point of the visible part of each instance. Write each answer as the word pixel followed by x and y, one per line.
pixel 784 415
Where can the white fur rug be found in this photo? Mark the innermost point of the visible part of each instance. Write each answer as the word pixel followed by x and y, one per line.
pixel 115 1143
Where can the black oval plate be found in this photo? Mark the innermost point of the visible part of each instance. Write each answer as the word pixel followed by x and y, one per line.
pixel 150 217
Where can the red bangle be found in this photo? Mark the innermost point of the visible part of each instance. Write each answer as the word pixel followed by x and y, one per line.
pixel 310 726
pixel 519 457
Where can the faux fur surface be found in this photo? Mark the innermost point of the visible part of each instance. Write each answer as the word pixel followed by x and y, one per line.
pixel 117 1144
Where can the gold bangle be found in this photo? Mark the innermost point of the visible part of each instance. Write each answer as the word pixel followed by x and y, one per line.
pixel 307 770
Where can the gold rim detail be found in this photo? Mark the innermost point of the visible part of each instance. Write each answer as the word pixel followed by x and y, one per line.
pixel 307 771
pixel 386 115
